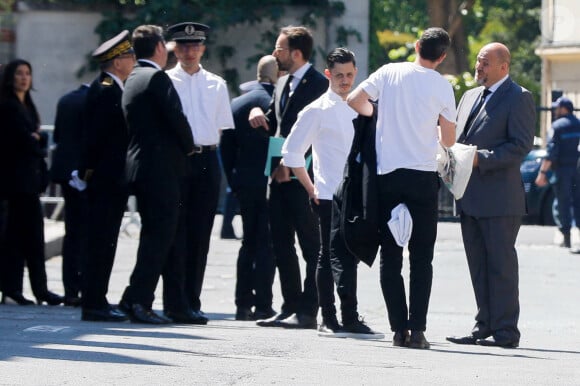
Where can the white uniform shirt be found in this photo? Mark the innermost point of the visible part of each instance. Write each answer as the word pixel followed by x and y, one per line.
pixel 206 103
pixel 411 98
pixel 326 125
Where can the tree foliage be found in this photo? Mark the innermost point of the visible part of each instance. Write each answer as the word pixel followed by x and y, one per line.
pixel 516 23
pixel 219 14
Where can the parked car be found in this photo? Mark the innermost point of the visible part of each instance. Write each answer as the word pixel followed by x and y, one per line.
pixel 542 206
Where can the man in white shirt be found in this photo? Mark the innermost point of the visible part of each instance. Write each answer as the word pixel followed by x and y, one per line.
pixel 206 104
pixel 326 125
pixel 413 99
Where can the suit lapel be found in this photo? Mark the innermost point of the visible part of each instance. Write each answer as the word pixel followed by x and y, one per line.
pixel 296 94
pixel 491 103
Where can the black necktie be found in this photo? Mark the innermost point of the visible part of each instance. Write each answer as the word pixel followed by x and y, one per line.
pixel 285 93
pixel 476 108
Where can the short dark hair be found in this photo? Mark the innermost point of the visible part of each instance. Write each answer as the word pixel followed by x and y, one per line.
pixel 340 55
pixel 299 38
pixel 433 43
pixel 145 39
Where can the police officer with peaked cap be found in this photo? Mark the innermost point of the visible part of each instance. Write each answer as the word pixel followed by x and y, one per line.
pixel 206 103
pixel 102 168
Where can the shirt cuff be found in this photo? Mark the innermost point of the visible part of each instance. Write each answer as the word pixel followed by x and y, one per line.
pixel 294 160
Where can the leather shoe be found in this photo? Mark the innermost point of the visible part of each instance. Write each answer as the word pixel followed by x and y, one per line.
pixel 401 338
pixel 468 339
pixel 141 314
pixel 273 320
pixel 497 342
pixel 299 321
pixel 199 314
pixel 186 317
pixel 418 340
pixel 72 301
pixel 264 314
pixel 107 314
pixel 244 314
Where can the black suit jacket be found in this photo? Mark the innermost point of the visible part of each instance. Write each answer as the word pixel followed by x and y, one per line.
pixel 22 164
pixel 106 137
pixel 244 149
pixel 159 136
pixel 312 85
pixel 68 134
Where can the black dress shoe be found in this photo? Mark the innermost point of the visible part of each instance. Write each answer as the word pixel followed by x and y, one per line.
pixel 17 298
pixel 244 314
pixel 186 317
pixel 142 314
pixel 498 342
pixel 468 339
pixel 273 320
pixel 401 338
pixel 107 314
pixel 201 316
pixel 299 321
pixel 50 298
pixel 418 340
pixel 72 301
pixel 263 314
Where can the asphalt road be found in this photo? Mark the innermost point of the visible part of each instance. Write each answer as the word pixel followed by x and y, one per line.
pixel 42 345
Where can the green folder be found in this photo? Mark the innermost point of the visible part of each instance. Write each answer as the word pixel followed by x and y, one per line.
pixel 275 156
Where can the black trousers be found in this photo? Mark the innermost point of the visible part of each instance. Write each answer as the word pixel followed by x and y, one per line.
pixel 106 206
pixel 24 243
pixel 159 204
pixel 290 215
pixel 74 244
pixel 255 265
pixel 418 190
pixel 202 193
pixel 174 296
pixel 344 270
pixel 324 279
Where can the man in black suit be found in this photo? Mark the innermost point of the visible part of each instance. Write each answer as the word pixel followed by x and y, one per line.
pixel 289 205
pixel 499 118
pixel 67 135
pixel 102 167
pixel 159 142
pixel 243 153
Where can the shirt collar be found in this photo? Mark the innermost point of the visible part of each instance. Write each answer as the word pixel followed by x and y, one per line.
pixel 151 63
pixel 493 88
pixel 117 80
pixel 334 96
pixel 181 71
pixel 299 74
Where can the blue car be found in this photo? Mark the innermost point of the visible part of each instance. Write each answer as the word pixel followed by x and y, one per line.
pixel 541 202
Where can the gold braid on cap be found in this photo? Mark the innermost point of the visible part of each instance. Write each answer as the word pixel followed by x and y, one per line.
pixel 116 51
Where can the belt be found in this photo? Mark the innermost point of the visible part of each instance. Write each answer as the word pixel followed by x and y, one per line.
pixel 198 149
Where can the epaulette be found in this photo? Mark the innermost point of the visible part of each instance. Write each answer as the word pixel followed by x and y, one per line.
pixel 107 81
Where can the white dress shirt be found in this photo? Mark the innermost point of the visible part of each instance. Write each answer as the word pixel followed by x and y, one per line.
pixel 326 125
pixel 206 103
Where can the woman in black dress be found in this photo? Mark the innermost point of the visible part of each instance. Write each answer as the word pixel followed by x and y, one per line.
pixel 23 177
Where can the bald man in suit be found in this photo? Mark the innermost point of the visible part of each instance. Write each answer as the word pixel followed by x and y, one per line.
pixel 499 118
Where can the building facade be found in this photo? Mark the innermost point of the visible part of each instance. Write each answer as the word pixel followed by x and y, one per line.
pixel 560 53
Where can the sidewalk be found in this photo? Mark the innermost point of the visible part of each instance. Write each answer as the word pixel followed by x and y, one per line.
pixel 43 345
